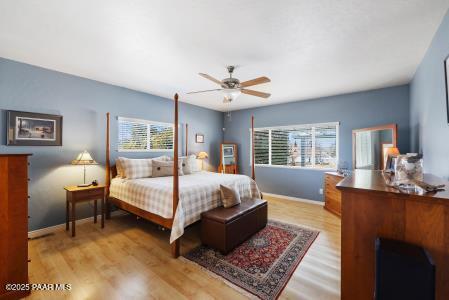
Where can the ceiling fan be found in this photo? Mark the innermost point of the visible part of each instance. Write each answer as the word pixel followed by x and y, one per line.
pixel 232 87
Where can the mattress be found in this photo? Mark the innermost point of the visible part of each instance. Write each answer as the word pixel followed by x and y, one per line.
pixel 198 192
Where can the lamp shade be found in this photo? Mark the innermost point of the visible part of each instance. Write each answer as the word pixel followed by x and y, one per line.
pixel 202 155
pixel 393 151
pixel 84 158
pixel 231 94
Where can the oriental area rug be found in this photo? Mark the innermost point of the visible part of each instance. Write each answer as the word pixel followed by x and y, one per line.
pixel 263 264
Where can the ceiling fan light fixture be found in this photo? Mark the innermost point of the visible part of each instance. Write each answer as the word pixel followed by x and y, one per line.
pixel 232 87
pixel 231 94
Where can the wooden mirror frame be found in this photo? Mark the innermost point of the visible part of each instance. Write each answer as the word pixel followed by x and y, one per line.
pixel 234 167
pixel 393 127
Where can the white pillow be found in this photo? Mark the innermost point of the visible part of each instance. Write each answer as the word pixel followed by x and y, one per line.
pixel 165 168
pixel 198 165
pixel 120 169
pixel 229 196
pixel 186 165
pixel 136 168
pixel 190 164
pixel 163 158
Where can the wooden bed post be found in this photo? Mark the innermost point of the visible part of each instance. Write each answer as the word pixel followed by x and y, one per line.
pixel 187 138
pixel 175 246
pixel 253 173
pixel 108 168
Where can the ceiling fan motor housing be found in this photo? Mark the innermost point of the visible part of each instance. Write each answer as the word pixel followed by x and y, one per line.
pixel 231 83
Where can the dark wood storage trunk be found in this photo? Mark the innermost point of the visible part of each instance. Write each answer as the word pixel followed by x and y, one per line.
pixel 226 228
pixel 13 223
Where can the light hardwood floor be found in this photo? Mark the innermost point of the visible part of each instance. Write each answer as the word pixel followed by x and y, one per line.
pixel 130 259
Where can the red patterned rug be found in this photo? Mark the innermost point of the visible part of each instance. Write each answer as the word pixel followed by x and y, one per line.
pixel 263 264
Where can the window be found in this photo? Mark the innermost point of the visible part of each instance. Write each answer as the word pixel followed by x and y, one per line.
pixel 136 135
pixel 307 146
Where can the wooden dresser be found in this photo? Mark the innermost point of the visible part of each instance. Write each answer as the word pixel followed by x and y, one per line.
pixel 14 223
pixel 332 196
pixel 370 209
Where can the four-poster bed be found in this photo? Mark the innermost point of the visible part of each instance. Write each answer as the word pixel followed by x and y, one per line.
pixel 158 199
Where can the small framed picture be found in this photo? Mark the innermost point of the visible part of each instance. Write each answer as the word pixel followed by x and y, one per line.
pixel 391 162
pixel 446 80
pixel 199 138
pixel 33 129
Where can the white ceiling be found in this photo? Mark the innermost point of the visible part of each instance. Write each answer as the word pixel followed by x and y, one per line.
pixel 308 48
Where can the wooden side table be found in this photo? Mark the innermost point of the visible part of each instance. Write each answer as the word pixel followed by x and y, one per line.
pixel 75 194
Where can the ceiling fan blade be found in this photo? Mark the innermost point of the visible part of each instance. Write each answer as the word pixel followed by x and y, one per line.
pixel 211 78
pixel 255 81
pixel 196 92
pixel 255 93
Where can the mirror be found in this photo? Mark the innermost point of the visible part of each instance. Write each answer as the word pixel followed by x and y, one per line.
pixel 228 158
pixel 370 146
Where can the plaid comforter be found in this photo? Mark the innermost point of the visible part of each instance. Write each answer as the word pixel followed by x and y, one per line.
pixel 198 192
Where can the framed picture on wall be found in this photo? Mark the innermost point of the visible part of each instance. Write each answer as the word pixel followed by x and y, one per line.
pixel 33 129
pixel 199 138
pixel 446 79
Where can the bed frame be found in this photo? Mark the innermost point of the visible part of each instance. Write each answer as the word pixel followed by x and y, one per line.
pixel 111 172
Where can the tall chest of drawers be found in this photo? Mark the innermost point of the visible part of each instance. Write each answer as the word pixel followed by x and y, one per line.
pixel 14 223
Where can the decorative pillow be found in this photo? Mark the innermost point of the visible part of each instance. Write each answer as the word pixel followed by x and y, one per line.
pixel 165 168
pixel 229 196
pixel 189 164
pixel 197 164
pixel 136 168
pixel 163 158
pixel 119 164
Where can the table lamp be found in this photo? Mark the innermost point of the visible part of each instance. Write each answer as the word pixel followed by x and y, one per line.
pixel 202 155
pixel 84 159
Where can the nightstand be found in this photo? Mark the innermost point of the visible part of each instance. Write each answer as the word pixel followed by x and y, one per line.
pixel 75 194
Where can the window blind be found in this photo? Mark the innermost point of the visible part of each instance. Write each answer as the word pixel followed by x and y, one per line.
pixel 309 145
pixel 261 147
pixel 161 137
pixel 144 135
pixel 279 147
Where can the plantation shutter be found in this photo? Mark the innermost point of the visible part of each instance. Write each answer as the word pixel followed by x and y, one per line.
pixel 161 137
pixel 279 147
pixel 143 135
pixel 132 135
pixel 261 147
pixel 306 145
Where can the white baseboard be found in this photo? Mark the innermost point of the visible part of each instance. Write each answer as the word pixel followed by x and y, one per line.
pixel 321 203
pixel 61 227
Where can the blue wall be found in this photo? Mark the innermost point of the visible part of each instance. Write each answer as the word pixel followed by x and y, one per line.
pixel 357 110
pixel 83 104
pixel 428 117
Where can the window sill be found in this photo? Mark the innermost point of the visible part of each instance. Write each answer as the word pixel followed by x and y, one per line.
pixel 297 168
